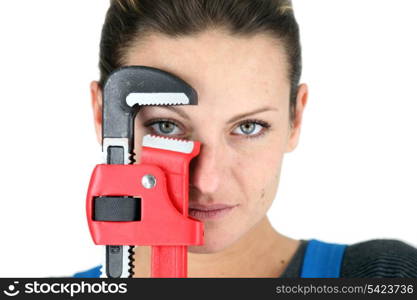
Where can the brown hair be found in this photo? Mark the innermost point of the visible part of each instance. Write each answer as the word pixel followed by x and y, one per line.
pixel 129 20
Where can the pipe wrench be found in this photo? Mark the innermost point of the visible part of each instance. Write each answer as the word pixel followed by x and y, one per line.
pixel 142 204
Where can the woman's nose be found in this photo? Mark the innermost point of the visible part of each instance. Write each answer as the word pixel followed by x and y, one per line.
pixel 205 170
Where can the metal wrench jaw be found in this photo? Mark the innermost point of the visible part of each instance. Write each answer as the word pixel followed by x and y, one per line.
pixel 124 92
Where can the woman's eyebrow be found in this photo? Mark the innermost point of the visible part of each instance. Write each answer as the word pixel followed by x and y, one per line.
pixel 234 119
pixel 257 111
pixel 171 108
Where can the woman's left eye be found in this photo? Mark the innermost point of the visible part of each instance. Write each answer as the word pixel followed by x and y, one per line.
pixel 250 128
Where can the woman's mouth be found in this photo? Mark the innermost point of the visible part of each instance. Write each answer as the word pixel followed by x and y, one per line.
pixel 205 212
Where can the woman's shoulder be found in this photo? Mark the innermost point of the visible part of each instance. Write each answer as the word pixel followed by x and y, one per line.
pixel 379 258
pixel 94 272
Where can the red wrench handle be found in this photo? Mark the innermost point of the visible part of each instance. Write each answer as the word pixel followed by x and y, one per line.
pixel 171 261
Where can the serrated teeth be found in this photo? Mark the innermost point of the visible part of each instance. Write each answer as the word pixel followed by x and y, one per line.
pixel 157 99
pixel 175 140
pixel 161 104
pixel 167 143
pixel 127 268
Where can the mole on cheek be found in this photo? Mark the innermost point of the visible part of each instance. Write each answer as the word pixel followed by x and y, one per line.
pixel 263 193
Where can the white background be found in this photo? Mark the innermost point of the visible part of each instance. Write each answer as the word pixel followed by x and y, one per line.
pixel 352 177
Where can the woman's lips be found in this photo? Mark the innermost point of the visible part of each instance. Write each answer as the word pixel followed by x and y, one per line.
pixel 204 212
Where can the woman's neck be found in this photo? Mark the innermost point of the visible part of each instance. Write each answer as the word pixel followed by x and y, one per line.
pixel 262 252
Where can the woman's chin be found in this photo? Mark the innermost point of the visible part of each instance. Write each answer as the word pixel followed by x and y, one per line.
pixel 205 249
pixel 213 242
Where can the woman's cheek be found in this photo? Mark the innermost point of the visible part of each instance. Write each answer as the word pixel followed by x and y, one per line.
pixel 264 174
pixel 259 178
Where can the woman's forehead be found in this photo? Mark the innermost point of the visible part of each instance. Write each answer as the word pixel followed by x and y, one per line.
pixel 215 60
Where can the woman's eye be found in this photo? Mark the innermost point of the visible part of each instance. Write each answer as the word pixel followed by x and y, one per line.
pixel 170 128
pixel 249 128
pixel 165 128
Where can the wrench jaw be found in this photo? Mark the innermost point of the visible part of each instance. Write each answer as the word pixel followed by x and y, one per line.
pixel 125 91
pixel 129 88
pixel 169 144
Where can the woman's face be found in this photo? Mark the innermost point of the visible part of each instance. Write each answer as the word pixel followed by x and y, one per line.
pixel 242 121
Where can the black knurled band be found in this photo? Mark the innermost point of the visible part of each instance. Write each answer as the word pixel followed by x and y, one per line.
pixel 116 209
